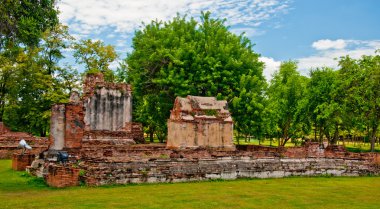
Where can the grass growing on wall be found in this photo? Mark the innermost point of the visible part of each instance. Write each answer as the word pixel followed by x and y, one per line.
pixel 19 191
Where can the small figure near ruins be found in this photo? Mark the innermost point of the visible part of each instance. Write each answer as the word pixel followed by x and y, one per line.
pixel 200 122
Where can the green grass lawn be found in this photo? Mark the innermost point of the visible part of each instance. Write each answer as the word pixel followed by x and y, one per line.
pixel 17 190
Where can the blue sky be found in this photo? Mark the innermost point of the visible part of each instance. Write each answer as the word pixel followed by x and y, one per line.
pixel 313 32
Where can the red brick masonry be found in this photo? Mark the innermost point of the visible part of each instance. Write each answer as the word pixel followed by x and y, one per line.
pixel 20 162
pixel 9 142
pixel 62 176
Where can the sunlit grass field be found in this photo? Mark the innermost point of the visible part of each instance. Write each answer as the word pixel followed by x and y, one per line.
pixel 18 190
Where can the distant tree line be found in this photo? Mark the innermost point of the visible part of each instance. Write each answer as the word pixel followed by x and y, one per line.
pixel 178 58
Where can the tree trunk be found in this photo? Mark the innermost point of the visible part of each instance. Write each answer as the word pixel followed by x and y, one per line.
pixel 336 135
pixel 284 142
pixel 270 142
pixel 373 137
pixel 327 133
pixel 320 135
pixel 151 136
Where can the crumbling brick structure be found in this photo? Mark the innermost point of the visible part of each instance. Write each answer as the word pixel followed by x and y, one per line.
pixel 21 161
pixel 199 145
pixel 9 142
pixel 104 112
pixel 62 176
pixel 200 122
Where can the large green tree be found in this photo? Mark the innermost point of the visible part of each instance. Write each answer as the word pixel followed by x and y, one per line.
pixel 24 21
pixel 96 57
pixel 29 101
pixel 285 93
pixel 31 80
pixel 325 103
pixel 185 57
pixel 361 87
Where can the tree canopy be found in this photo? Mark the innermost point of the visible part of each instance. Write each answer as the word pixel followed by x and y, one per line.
pixel 185 57
pixel 96 57
pixel 24 21
pixel 31 80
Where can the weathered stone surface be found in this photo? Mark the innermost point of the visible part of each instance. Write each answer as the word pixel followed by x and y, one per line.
pixel 110 164
pixel 107 162
pixel 182 169
pixel 200 122
pixel 108 105
pixel 57 126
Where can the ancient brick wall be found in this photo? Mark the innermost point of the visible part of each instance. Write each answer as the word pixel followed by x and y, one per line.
pixel 197 122
pixel 10 146
pixel 135 131
pixel 106 163
pixel 103 113
pixel 74 125
pixel 310 149
pixel 109 151
pixel 20 162
pixel 212 134
pixel 9 142
pixel 183 169
pixel 108 106
pixel 62 176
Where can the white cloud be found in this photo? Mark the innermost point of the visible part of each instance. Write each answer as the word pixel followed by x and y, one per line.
pixel 248 31
pixel 114 65
pixel 328 55
pixel 271 66
pixel 329 44
pixel 124 16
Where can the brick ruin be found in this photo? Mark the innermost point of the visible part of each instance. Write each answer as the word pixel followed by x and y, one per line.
pixel 21 161
pixel 156 163
pixel 197 122
pixel 106 147
pixel 103 113
pixel 9 141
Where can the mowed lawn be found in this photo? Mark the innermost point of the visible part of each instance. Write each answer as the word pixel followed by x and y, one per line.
pixel 17 190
